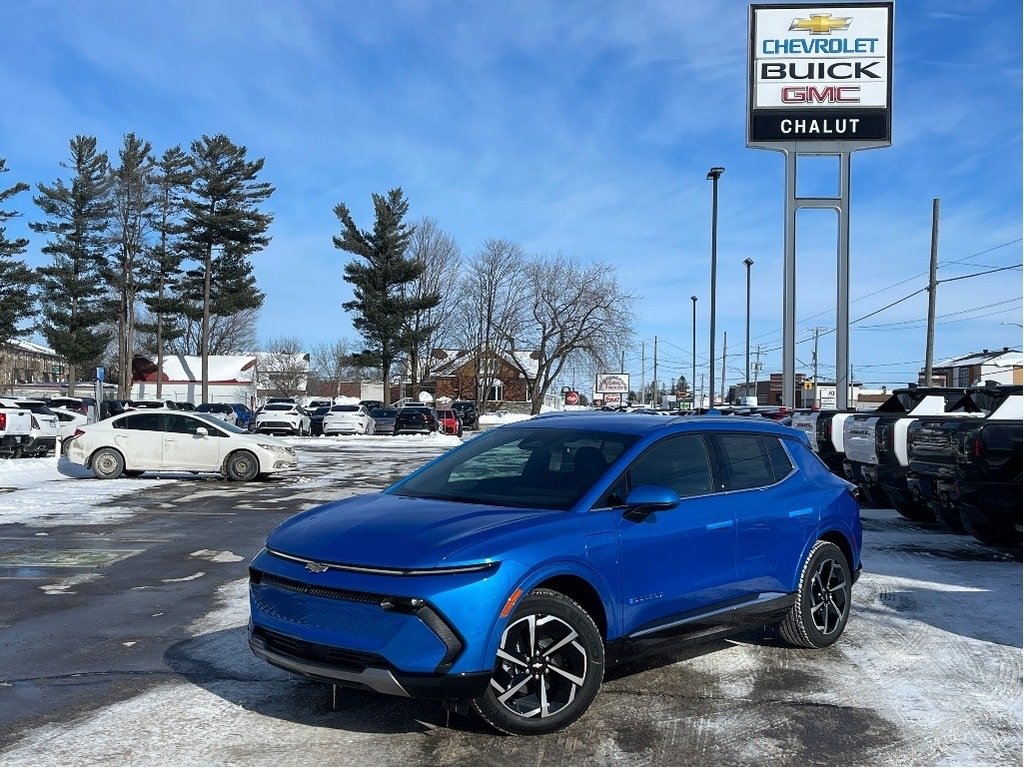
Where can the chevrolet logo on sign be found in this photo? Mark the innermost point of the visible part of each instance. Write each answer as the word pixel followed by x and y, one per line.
pixel 821 24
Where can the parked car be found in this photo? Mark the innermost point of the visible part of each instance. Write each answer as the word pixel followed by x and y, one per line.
pixel 312 405
pixel 223 411
pixel 139 404
pixel 316 420
pixel 15 428
pixel 467 413
pixel 415 418
pixel 110 408
pixel 510 571
pixel 281 418
pixel 369 405
pixel 70 421
pixel 245 417
pixel 968 471
pixel 384 420
pixel 448 422
pixel 166 440
pixel 348 420
pixel 87 406
pixel 45 429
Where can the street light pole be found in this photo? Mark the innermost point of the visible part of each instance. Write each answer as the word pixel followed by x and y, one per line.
pixel 746 376
pixel 693 380
pixel 713 176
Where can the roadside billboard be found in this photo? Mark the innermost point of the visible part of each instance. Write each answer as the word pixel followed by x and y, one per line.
pixel 609 383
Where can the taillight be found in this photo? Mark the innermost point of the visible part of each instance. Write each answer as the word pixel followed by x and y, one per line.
pixel 78 433
pixel 978 446
pixel 3 421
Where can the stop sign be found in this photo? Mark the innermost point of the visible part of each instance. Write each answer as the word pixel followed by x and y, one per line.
pixel 571 398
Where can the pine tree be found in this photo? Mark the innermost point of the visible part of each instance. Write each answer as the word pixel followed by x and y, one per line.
pixel 16 279
pixel 223 226
pixel 72 291
pixel 382 303
pixel 133 198
pixel 162 271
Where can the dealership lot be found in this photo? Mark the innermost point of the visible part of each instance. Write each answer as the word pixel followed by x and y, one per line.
pixel 123 641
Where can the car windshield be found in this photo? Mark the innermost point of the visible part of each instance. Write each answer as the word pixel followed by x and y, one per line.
pixel 218 423
pixel 548 468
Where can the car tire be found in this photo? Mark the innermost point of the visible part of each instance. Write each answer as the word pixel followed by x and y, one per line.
pixel 822 607
pixel 371 428
pixel 241 466
pixel 948 515
pixel 550 655
pixel 107 464
pixel 1002 537
pixel 916 511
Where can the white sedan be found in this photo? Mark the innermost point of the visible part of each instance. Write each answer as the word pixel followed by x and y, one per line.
pixel 165 440
pixel 348 420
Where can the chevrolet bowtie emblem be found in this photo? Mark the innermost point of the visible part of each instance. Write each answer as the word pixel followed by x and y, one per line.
pixel 316 567
pixel 821 24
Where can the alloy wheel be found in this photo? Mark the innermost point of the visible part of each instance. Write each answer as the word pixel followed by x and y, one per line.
pixel 829 596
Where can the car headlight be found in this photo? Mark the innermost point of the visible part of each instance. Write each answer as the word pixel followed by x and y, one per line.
pixel 275 448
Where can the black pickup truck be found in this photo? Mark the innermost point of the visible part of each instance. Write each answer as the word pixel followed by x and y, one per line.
pixel 969 471
pixel 876 445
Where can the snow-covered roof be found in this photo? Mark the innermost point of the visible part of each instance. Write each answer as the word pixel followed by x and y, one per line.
pixel 447 361
pixel 222 368
pixel 31 347
pixel 1002 358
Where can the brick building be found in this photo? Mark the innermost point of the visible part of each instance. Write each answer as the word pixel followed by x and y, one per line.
pixel 502 378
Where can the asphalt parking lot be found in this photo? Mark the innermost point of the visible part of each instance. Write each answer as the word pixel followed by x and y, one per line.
pixel 122 641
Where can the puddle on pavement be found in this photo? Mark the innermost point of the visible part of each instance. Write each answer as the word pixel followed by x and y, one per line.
pixel 65 558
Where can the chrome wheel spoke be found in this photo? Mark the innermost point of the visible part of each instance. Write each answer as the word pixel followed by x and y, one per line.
pixel 564 641
pixel 574 679
pixel 512 690
pixel 506 656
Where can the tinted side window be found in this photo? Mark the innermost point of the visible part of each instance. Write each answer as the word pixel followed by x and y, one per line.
pixel 680 463
pixel 777 456
pixel 744 461
pixel 146 421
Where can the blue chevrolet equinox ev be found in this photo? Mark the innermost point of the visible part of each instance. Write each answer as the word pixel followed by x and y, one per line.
pixel 509 572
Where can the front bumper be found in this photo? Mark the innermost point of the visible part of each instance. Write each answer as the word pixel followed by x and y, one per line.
pixel 361 671
pixel 368 631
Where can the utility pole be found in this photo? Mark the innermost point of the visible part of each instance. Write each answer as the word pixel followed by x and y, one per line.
pixel 725 341
pixel 643 384
pixel 814 399
pixel 757 368
pixel 654 397
pixel 932 289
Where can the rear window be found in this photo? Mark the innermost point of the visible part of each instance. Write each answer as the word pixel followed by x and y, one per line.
pixel 278 407
pixel 345 409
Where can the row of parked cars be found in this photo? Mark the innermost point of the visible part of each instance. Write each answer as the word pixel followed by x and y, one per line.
pixel 374 418
pixel 949 455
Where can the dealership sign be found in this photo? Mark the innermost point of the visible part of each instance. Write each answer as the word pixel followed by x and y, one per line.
pixel 820 73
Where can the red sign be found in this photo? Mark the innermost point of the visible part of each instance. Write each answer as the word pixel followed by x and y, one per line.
pixel 572 398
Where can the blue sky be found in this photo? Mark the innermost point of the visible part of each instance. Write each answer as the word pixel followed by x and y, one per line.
pixel 585 128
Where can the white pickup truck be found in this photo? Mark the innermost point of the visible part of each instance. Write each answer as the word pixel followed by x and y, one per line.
pixel 15 428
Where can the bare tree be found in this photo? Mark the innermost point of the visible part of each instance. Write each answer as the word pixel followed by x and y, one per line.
pixel 489 307
pixel 333 363
pixel 570 312
pixel 431 326
pixel 229 335
pixel 284 367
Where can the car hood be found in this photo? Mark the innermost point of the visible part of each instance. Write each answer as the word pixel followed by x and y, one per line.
pixel 391 531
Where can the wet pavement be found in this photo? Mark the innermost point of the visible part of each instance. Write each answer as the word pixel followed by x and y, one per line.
pixel 126 643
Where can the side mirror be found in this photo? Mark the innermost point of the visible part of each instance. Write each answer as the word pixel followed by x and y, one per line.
pixel 202 431
pixel 645 499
